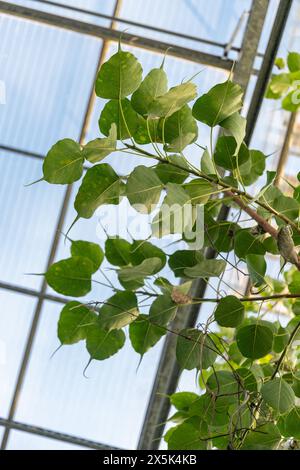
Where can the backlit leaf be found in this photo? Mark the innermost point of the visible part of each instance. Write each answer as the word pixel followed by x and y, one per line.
pixel 63 163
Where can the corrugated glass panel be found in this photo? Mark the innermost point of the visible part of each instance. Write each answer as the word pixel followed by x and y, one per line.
pixel 28 219
pixel 15 319
pixel 19 440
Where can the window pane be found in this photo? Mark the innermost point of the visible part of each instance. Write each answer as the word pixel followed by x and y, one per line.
pixel 15 320
pixel 19 440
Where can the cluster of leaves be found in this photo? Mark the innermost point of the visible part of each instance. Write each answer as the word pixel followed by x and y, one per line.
pixel 286 85
pixel 247 364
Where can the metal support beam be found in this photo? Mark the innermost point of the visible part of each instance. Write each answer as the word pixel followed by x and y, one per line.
pixel 54 435
pixel 114 35
pixel 283 11
pixel 168 372
pixel 285 149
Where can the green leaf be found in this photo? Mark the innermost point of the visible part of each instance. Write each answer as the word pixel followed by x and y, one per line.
pixel 257 268
pixel 101 185
pixel 182 259
pixel 226 153
pixel 253 168
pixel 199 190
pixel 143 189
pixel 236 126
pixel 248 379
pixel 163 310
pixel 246 244
pixel 280 63
pixel 229 312
pixel 294 285
pixel 207 166
pixel 225 386
pixel 71 276
pixel 135 275
pixel 117 251
pixel 219 103
pixel 154 84
pixel 195 350
pixel 206 268
pixel 98 149
pixel 118 311
pixel 175 215
pixel 122 115
pixel 286 206
pixel 141 250
pixel 119 76
pixel 102 344
pixel 279 85
pixel 144 335
pixel 292 423
pixel 183 400
pixel 264 437
pixel 167 104
pixel 147 131
pixel 293 61
pixel 186 437
pixel 168 173
pixel 63 163
pixel 179 130
pixel 210 410
pixel 279 395
pixel 291 102
pixel 74 321
pixel 281 339
pixel 90 250
pixel 254 341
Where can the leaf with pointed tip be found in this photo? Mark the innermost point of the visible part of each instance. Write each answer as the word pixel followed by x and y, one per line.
pixel 186 437
pixel 141 250
pixel 253 168
pixel 117 251
pixel 137 274
pixel 293 61
pixel 100 185
pixel 143 189
pixel 154 84
pixel 179 130
pixel 225 386
pixel 219 103
pixel 199 190
pixel 144 334
pixel 90 250
pixel 167 104
pixel 225 154
pixel 264 437
pixel 206 268
pixel 119 76
pixel 122 115
pixel 182 259
pixel 71 276
pixel 195 350
pixel 254 341
pixel 118 311
pixel 175 215
pixel 169 173
pixel 236 126
pixel 246 244
pixel 63 163
pixel 98 149
pixel 102 344
pixel 257 268
pixel 229 312
pixel 207 166
pixel 163 310
pixel 74 321
pixel 279 395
